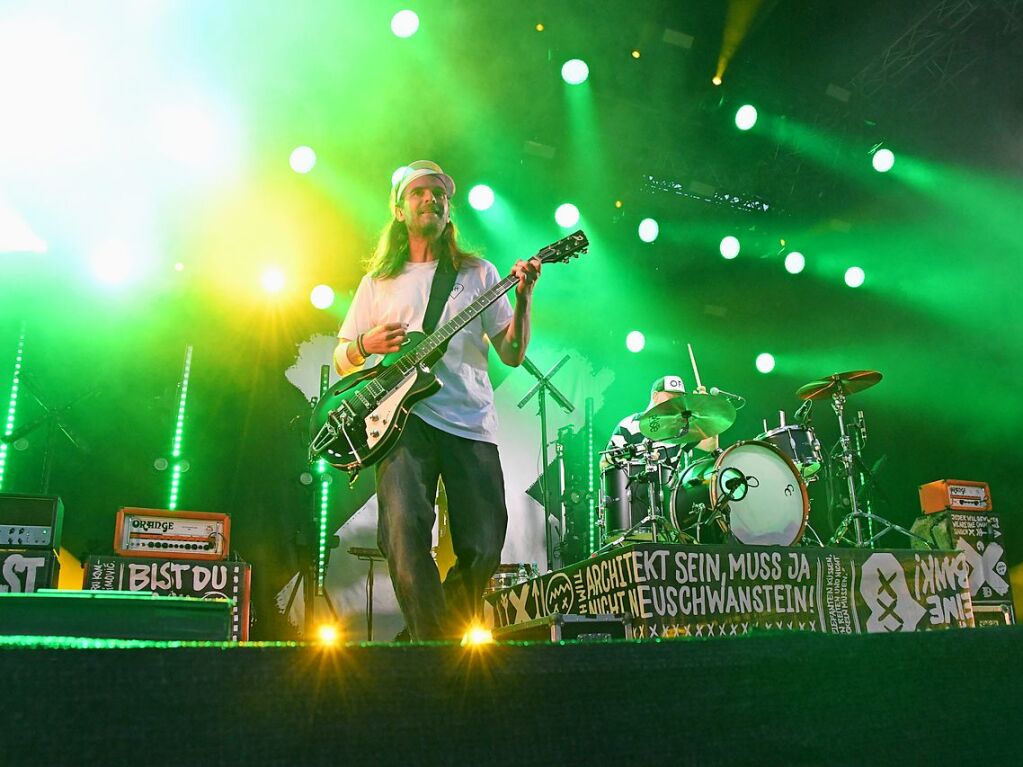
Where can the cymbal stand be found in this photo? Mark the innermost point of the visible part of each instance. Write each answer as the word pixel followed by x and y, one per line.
pixel 853 468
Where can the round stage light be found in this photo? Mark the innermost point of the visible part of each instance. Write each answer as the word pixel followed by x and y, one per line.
pixel 854 276
pixel 567 215
pixel 272 280
pixel 481 197
pixel 765 362
pixel 746 117
pixel 883 160
pixel 476 636
pixel 635 341
pixel 303 159
pixel 575 71
pixel 716 80
pixel 729 247
pixel 322 296
pixel 328 634
pixel 794 262
pixel 114 263
pixel 648 230
pixel 405 23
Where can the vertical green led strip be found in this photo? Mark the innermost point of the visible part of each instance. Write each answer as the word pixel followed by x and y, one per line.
pixel 179 429
pixel 321 470
pixel 12 403
pixel 591 492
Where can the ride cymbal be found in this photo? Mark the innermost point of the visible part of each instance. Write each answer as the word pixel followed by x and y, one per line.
pixel 705 414
pixel 849 382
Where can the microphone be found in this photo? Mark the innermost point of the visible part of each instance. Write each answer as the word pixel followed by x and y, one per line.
pixel 802 415
pixel 728 395
pixel 734 482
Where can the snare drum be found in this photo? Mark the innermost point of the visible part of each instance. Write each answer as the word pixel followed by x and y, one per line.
pixel 759 488
pixel 625 494
pixel 799 444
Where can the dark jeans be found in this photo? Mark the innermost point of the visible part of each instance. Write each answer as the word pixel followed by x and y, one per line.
pixel 406 493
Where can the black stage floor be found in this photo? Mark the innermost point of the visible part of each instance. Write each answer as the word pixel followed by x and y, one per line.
pixel 790 698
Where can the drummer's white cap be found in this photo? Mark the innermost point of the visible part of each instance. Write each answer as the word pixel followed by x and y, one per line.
pixel 668 383
pixel 418 169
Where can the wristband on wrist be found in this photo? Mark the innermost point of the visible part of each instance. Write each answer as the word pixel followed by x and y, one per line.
pixel 360 347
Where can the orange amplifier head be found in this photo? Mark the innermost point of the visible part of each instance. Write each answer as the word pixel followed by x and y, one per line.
pixel 172 534
pixel 955 495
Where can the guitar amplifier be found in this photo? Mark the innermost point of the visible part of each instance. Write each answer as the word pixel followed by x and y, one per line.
pixel 30 521
pixel 955 495
pixel 172 534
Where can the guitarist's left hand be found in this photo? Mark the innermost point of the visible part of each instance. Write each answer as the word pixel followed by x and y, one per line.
pixel 528 273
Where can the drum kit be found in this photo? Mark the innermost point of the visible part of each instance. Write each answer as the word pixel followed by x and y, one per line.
pixel 753 492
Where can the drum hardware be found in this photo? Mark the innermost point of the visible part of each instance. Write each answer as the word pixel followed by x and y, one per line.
pixel 655 471
pixel 850 444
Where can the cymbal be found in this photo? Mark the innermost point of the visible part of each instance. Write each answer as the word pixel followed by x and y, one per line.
pixel 706 415
pixel 847 383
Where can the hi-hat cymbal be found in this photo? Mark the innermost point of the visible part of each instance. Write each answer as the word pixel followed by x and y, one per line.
pixel 847 383
pixel 706 415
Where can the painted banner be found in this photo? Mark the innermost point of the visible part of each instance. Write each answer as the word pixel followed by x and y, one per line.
pixel 26 571
pixel 979 537
pixel 676 590
pixel 180 578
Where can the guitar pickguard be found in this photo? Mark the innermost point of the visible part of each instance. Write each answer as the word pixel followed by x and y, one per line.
pixel 381 420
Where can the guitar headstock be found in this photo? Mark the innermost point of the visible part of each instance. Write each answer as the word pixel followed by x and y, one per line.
pixel 564 249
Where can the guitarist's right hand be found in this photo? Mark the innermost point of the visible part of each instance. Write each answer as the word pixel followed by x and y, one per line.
pixel 384 339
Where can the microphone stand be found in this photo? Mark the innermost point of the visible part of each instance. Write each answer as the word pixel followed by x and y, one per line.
pixel 542 386
pixel 52 419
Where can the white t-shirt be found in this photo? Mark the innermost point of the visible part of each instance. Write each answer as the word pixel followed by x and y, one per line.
pixel 465 404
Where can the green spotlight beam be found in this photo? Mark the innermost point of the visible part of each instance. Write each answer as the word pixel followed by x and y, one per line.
pixel 12 402
pixel 179 428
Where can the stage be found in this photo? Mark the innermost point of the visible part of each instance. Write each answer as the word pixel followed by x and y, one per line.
pixel 791 698
pixel 756 488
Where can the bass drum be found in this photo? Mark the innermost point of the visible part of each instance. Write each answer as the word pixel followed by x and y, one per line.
pixel 760 491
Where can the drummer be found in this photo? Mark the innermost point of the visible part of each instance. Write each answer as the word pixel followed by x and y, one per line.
pixel 627 442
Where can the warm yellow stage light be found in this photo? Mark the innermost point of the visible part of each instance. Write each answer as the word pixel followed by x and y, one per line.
pixel 618 203
pixel 635 54
pixel 716 80
pixel 328 634
pixel 477 635
pixel 539 27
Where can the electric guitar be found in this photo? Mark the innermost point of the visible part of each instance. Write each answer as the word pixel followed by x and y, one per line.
pixel 361 416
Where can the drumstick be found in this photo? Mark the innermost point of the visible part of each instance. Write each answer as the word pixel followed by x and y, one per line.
pixel 696 371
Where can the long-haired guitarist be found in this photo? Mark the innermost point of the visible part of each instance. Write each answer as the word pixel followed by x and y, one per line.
pixel 451 434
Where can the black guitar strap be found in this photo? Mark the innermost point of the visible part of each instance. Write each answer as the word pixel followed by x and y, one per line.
pixel 443 282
